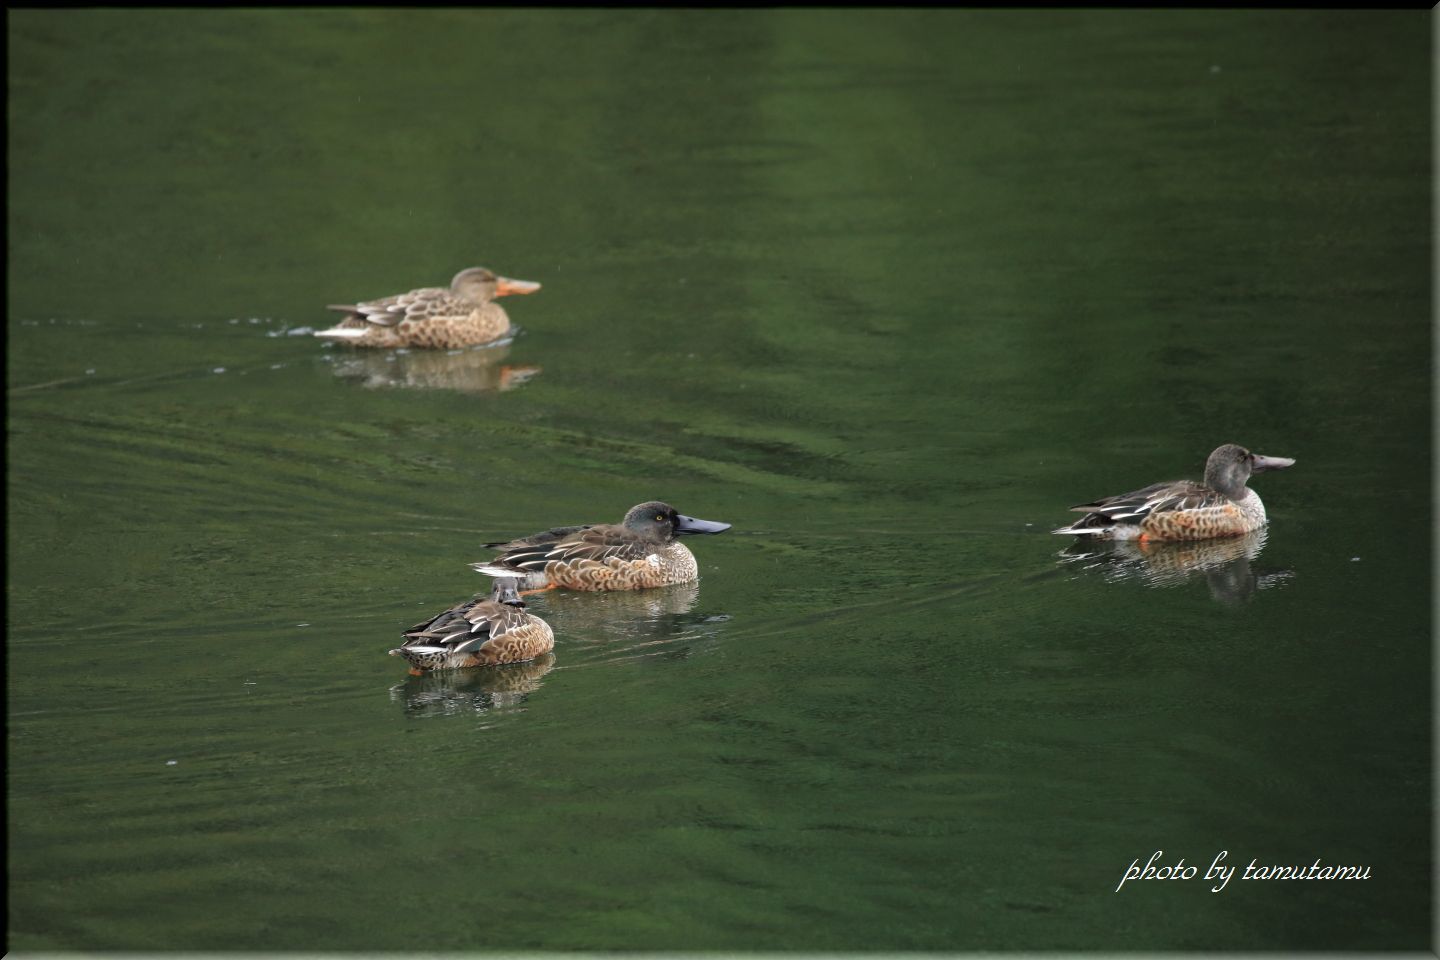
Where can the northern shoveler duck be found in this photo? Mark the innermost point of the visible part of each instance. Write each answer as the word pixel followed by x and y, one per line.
pixel 639 552
pixel 464 315
pixel 481 631
pixel 1221 506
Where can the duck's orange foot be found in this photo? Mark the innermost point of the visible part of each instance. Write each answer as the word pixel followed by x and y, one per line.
pixel 548 586
pixel 415 672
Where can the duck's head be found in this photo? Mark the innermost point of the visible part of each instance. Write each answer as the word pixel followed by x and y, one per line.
pixel 660 521
pixel 507 590
pixel 477 283
pixel 1230 467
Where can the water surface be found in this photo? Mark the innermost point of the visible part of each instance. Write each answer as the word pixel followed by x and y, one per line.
pixel 886 291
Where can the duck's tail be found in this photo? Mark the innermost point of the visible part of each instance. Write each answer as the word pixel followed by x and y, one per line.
pixel 524 579
pixel 342 333
pixel 1100 527
pixel 1088 527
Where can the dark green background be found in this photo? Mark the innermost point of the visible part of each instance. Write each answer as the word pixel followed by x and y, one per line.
pixel 888 292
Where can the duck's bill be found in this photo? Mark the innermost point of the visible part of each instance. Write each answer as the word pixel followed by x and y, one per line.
pixel 1270 463
pixel 685 525
pixel 504 286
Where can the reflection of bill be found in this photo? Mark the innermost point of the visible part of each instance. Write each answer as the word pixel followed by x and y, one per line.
pixel 470 370
pixel 444 693
pixel 1225 563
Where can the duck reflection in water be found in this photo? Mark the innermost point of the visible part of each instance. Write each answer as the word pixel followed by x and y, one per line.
pixel 659 611
pixel 1224 563
pixel 446 693
pixel 627 624
pixel 467 370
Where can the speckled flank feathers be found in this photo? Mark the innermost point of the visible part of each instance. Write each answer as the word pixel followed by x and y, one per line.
pixel 670 564
pixel 1221 506
pixel 432 317
pixel 1217 519
pixel 638 553
pixel 469 325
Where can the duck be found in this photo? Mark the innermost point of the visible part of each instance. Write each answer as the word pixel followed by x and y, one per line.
pixel 1220 506
pixel 482 631
pixel 639 552
pixel 463 315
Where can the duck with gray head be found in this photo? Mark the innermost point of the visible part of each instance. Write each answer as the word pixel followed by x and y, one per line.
pixel 1221 506
pixel 639 552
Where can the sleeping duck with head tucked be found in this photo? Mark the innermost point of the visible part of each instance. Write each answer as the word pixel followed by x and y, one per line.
pixel 1220 506
pixel 463 315
pixel 482 631
pixel 641 551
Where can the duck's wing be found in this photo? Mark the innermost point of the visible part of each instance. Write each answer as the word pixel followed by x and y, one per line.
pixel 600 542
pixel 489 620
pixel 1135 506
pixel 553 535
pixel 466 626
pixel 419 304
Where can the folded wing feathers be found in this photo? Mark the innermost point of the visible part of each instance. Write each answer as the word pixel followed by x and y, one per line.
pixel 470 624
pixel 563 544
pixel 388 311
pixel 553 535
pixel 415 305
pixel 1136 506
pixel 531 558
pixel 470 636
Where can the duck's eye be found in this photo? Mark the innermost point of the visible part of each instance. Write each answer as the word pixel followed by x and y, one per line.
pixel 660 517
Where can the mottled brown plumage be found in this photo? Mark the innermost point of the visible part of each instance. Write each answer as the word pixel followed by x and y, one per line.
pixel 463 315
pixel 478 632
pixel 640 552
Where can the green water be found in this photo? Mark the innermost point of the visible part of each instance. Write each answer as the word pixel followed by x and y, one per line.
pixel 886 291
